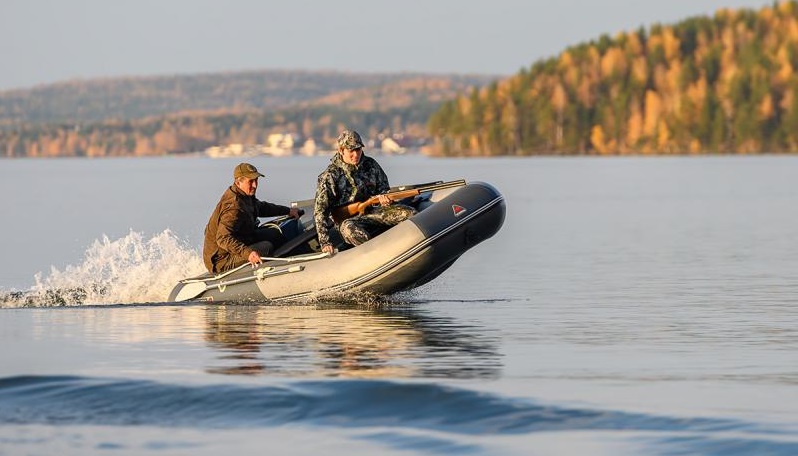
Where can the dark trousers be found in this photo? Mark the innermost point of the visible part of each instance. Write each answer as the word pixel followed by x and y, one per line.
pixel 267 240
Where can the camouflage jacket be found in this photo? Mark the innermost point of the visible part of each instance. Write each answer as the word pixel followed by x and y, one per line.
pixel 231 228
pixel 342 183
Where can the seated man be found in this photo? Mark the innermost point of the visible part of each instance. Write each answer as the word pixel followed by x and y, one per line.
pixel 354 177
pixel 232 236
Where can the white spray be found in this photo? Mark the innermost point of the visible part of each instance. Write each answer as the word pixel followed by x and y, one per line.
pixel 127 270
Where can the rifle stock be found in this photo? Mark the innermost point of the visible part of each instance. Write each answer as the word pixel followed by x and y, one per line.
pixel 341 213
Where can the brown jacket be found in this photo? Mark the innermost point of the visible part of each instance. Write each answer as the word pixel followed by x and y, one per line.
pixel 231 228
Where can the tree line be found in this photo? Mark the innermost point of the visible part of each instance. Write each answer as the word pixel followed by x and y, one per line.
pixel 175 115
pixel 197 132
pixel 722 84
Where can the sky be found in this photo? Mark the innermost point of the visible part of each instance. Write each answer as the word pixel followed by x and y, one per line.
pixel 45 41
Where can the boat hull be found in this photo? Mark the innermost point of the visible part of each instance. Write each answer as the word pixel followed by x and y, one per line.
pixel 449 223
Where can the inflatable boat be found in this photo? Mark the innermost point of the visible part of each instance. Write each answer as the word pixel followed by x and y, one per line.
pixel 452 218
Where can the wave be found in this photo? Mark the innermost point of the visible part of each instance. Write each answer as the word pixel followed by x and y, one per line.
pixel 131 269
pixel 367 404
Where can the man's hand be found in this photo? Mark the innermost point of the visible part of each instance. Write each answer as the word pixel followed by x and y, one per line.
pixel 384 200
pixel 254 258
pixel 328 249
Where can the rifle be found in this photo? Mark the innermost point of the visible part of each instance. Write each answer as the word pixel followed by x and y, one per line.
pixel 341 213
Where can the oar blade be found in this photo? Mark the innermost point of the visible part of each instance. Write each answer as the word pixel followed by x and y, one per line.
pixel 190 291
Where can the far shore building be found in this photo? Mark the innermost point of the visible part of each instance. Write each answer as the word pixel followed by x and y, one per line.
pixel 391 146
pixel 287 144
pixel 277 145
pixel 280 144
pixel 309 148
pixel 230 150
pixel 400 144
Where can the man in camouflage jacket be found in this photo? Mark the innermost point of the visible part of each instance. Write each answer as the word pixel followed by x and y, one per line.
pixel 353 177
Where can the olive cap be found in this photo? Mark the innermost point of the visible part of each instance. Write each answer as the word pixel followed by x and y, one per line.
pixel 246 170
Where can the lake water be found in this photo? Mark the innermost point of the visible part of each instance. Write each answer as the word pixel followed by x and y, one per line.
pixel 628 306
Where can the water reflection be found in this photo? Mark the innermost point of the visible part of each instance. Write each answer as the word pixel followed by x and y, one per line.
pixel 339 340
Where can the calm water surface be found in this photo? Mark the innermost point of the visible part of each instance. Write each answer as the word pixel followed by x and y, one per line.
pixel 627 306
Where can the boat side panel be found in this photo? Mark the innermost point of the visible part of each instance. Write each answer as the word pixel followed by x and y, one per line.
pixel 449 243
pixel 345 267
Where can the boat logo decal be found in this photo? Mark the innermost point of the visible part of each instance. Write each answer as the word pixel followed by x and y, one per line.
pixel 458 210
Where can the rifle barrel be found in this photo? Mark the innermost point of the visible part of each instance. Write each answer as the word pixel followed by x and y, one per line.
pixel 442 185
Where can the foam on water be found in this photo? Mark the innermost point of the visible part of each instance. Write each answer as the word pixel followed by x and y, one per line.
pixel 122 271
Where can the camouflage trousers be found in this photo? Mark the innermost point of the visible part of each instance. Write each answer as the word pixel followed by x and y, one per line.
pixel 361 228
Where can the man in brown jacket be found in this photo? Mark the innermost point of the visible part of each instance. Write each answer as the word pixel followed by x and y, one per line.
pixel 232 236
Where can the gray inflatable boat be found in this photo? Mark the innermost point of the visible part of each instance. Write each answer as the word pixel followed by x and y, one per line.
pixel 453 217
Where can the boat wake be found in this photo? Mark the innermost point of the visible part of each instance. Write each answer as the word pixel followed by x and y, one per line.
pixel 123 271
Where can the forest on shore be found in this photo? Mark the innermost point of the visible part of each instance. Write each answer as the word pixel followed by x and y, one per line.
pixel 722 84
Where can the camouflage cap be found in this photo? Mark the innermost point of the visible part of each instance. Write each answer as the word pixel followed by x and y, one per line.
pixel 246 170
pixel 349 140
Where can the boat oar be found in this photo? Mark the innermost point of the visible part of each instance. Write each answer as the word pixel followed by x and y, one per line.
pixel 192 290
pixel 307 257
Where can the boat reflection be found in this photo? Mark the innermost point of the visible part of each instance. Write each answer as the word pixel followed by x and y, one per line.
pixel 339 340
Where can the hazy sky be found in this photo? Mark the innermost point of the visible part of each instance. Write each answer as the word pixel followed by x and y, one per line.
pixel 45 41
